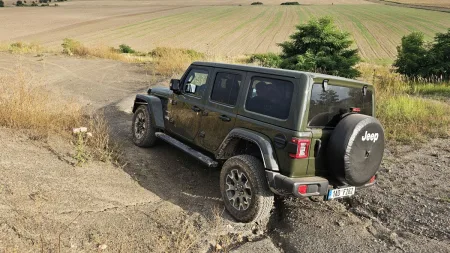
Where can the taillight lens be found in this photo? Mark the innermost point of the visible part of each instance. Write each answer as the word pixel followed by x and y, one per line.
pixel 372 179
pixel 302 148
pixel 302 189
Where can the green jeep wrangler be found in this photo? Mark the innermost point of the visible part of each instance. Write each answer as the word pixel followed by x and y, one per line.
pixel 272 131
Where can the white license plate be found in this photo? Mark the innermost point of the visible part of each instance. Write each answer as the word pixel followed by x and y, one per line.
pixel 340 193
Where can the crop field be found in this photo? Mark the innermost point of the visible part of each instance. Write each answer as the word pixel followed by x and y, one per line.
pixel 432 3
pixel 222 28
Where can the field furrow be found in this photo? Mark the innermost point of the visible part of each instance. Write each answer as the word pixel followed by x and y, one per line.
pixel 220 28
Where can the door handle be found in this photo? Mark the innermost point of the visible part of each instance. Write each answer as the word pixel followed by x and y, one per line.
pixel 224 118
pixel 196 108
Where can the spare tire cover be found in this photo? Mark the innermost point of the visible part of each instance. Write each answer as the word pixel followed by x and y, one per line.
pixel 355 149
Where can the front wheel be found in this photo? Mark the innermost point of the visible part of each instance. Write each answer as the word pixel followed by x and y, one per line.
pixel 244 189
pixel 142 128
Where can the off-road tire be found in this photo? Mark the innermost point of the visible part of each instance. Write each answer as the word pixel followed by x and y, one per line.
pixel 262 198
pixel 148 137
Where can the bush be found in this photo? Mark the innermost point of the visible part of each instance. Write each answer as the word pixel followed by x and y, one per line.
pixel 19 3
pixel 34 4
pixel 270 60
pixel 319 46
pixel 126 49
pixel 2 4
pixel 257 3
pixel 290 3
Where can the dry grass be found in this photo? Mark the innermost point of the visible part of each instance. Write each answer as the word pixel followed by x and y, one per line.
pixel 406 118
pixel 174 61
pixel 75 48
pixel 26 104
pixel 23 48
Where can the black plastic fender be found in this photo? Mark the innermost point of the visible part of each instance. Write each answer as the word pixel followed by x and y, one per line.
pixel 154 106
pixel 263 142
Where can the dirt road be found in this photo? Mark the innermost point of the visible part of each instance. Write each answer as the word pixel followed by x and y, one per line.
pixel 162 200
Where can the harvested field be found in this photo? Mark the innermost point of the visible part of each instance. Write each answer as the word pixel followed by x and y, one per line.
pixel 222 28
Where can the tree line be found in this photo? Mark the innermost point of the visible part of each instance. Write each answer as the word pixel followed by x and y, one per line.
pixel 319 46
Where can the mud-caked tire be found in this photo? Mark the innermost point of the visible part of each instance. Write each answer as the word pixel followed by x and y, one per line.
pixel 142 128
pixel 245 190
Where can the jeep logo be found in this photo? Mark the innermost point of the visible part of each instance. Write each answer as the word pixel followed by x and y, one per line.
pixel 370 137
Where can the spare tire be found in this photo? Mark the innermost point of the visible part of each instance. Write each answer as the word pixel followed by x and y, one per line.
pixel 355 149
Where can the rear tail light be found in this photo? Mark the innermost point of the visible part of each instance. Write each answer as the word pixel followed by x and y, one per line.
pixel 372 179
pixel 355 109
pixel 302 189
pixel 302 148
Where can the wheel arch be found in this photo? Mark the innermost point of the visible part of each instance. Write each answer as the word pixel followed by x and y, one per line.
pixel 239 136
pixel 154 106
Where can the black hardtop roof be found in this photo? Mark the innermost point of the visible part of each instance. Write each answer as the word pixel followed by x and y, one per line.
pixel 275 71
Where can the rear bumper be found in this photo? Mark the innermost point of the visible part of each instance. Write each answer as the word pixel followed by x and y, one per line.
pixel 317 186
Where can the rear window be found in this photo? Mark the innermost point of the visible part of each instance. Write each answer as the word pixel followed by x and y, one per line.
pixel 327 106
pixel 271 97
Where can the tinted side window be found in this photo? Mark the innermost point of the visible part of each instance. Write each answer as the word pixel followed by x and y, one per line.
pixel 271 97
pixel 327 106
pixel 195 82
pixel 226 88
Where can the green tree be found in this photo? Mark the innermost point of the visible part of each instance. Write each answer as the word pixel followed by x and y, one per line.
pixel 2 4
pixel 319 46
pixel 439 56
pixel 412 56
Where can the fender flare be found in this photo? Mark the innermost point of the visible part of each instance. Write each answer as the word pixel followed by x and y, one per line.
pixel 154 106
pixel 262 141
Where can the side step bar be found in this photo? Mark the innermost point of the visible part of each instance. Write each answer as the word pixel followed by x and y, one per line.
pixel 194 153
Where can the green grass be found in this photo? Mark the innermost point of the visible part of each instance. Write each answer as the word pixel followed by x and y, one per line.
pixel 434 90
pixel 409 118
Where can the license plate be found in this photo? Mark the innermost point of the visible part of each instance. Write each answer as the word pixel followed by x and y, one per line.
pixel 340 193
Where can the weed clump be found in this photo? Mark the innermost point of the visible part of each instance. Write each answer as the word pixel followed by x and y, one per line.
pixel 170 61
pixel 257 3
pixel 73 47
pixel 123 48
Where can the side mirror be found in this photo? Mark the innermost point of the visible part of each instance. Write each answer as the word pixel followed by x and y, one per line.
pixel 175 86
pixel 325 85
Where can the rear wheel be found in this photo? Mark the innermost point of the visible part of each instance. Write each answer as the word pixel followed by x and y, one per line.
pixel 142 128
pixel 244 189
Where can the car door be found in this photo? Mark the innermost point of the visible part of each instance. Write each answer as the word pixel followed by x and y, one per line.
pixel 220 107
pixel 186 108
